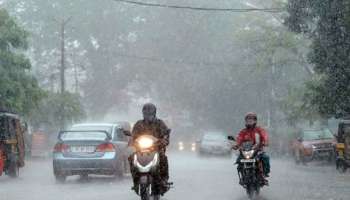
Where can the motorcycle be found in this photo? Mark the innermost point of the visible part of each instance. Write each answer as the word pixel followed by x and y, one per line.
pixel 250 174
pixel 146 163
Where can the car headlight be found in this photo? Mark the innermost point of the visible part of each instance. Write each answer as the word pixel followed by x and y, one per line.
pixel 193 148
pixel 248 154
pixel 181 146
pixel 145 142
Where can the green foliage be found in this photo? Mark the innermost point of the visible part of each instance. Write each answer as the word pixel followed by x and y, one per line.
pixel 19 90
pixel 50 110
pixel 298 104
pixel 327 24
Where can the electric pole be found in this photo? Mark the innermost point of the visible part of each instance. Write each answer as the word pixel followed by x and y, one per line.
pixel 63 48
pixel 63 24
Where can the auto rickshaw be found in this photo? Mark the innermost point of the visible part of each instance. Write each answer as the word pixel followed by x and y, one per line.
pixel 12 147
pixel 343 146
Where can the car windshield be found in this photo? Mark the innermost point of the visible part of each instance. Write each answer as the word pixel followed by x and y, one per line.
pixel 93 128
pixel 215 137
pixel 318 134
pixel 74 136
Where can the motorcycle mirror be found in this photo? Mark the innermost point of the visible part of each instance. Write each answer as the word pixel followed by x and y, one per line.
pixel 231 138
pixel 127 133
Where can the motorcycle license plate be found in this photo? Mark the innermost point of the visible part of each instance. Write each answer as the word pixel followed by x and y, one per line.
pixel 247 160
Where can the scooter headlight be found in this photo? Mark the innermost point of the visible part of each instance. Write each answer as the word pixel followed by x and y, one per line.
pixel 248 154
pixel 145 142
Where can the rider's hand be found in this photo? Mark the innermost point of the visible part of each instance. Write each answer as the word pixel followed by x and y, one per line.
pixel 256 147
pixel 163 142
pixel 235 147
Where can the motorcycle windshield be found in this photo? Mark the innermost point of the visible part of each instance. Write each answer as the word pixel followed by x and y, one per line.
pixel 145 158
pixel 247 146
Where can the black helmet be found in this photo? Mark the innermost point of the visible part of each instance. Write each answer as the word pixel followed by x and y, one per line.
pixel 149 112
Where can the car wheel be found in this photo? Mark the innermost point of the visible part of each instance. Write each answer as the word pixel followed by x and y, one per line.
pixel 297 157
pixel 60 178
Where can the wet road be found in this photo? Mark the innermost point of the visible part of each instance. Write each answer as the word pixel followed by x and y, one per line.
pixel 194 178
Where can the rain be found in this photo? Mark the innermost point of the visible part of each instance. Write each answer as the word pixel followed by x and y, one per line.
pixel 81 71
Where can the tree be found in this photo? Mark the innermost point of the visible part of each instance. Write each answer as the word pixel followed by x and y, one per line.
pixel 49 111
pixel 326 23
pixel 19 90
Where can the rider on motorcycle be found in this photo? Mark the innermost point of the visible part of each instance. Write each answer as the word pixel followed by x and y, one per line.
pixel 157 128
pixel 249 134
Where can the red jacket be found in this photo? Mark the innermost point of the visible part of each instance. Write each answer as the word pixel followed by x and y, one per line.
pixel 249 135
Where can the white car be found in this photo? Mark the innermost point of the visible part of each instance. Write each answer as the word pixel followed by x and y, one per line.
pixel 215 143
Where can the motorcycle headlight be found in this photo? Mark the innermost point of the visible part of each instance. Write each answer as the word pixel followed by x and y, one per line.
pixel 145 143
pixel 248 154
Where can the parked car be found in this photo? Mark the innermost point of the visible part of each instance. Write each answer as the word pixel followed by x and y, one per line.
pixel 90 149
pixel 317 144
pixel 215 143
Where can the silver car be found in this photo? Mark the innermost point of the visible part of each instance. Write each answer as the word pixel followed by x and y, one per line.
pixel 215 143
pixel 90 149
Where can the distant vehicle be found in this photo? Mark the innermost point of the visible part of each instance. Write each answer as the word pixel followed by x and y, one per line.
pixel 313 145
pixel 215 143
pixel 91 149
pixel 187 146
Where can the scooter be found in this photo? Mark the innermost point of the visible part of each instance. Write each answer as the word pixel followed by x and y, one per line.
pixel 146 163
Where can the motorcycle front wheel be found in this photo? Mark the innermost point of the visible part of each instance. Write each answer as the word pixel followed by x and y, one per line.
pixel 252 191
pixel 145 192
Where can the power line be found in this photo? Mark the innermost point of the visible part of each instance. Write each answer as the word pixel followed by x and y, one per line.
pixel 272 10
